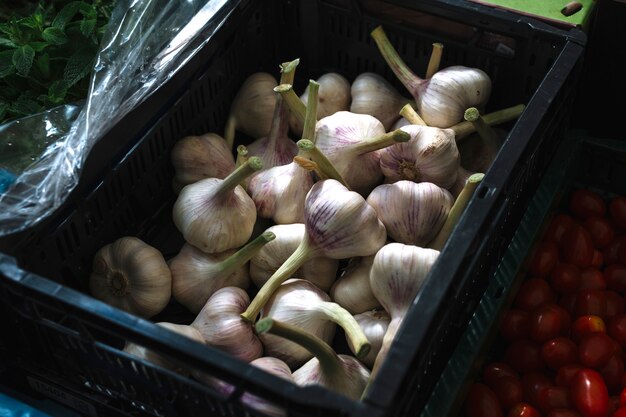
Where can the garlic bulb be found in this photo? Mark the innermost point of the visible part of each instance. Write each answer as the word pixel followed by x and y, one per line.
pixel 320 271
pixel 221 326
pixel 338 224
pixel 352 143
pixel 430 155
pixel 374 324
pixel 198 157
pixel 252 108
pixel 302 304
pixel 215 215
pixel 413 213
pixel 374 95
pixel 131 275
pixel 352 290
pixel 340 373
pixel 151 356
pixel 441 99
pixel 397 274
pixel 275 367
pixel 197 275
pixel 333 96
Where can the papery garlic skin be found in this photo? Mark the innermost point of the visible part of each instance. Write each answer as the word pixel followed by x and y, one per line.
pixel 197 275
pixel 273 366
pixel 431 155
pixel 374 95
pixel 198 157
pixel 319 271
pixel 352 289
pixel 151 356
pixel 214 224
pixel 131 275
pixel 351 382
pixel 413 213
pixel 374 324
pixel 221 326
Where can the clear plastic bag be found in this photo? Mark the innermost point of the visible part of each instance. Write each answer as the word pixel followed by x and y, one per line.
pixel 146 43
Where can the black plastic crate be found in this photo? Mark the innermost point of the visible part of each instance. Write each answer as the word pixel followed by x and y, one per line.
pixel 62 335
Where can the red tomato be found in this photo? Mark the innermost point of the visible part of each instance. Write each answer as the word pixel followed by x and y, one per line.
pixel 493 371
pixel 600 229
pixel 590 302
pixel 620 412
pixel 559 352
pixel 481 401
pixel 563 412
pixel 557 227
pixel 617 329
pixel 532 293
pixel 613 250
pixel 592 279
pixel 613 405
pixel 532 383
pixel 524 356
pixel 622 398
pixel 595 349
pixel 597 260
pixel 586 203
pixel 577 246
pixel 589 394
pixel 543 258
pixel 617 209
pixel 547 322
pixel 566 373
pixel 553 397
pixel 584 325
pixel 616 277
pixel 612 373
pixel 565 278
pixel 568 302
pixel 614 304
pixel 509 391
pixel 523 410
pixel 515 325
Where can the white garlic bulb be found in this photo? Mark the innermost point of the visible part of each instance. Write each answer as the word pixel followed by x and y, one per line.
pixel 352 290
pixel 374 324
pixel 131 275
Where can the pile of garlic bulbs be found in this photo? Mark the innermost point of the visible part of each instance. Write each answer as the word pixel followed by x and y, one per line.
pixel 347 173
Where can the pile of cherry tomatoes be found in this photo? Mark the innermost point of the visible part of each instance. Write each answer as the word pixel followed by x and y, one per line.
pixel 564 335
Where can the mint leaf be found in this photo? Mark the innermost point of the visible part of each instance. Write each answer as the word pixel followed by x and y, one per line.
pixel 66 15
pixel 39 46
pixel 54 35
pixel 25 106
pixel 78 66
pixel 57 91
pixel 7 42
pixel 6 63
pixel 23 59
pixel 43 63
pixel 87 26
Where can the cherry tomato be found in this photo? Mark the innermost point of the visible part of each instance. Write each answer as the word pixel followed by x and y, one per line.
pixel 622 398
pixel 568 302
pixel 523 410
pixel 586 203
pixel 543 258
pixel 532 293
pixel 559 352
pixel 493 371
pixel 613 405
pixel 515 324
pixel 600 229
pixel 563 412
pixel 547 322
pixel 612 373
pixel 557 227
pixel 595 349
pixel 565 278
pixel 577 246
pixel 597 260
pixel 590 302
pixel 613 250
pixel 532 383
pixel 524 356
pixel 615 304
pixel 553 397
pixel 620 412
pixel 592 279
pixel 617 209
pixel 481 401
pixel 584 325
pixel 566 373
pixel 509 391
pixel 589 394
pixel 617 329
pixel 616 277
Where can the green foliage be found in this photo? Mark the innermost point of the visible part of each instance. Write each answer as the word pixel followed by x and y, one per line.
pixel 47 50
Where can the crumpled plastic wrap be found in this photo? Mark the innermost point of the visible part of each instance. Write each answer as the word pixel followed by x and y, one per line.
pixel 147 42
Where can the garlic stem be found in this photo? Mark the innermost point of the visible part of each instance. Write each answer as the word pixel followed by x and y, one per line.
pixel 379 142
pixel 296 106
pixel 409 113
pixel 464 128
pixel 485 131
pixel 242 155
pixel 229 131
pixel 246 253
pixel 309 166
pixel 288 71
pixel 435 60
pixel 456 211
pixel 407 77
pixel 353 331
pixel 310 118
pixel 239 175
pixel 328 359
pixel 302 254
pixel 328 170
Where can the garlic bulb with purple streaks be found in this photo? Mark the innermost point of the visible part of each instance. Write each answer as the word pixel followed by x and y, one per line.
pixel 338 223
pixel 320 271
pixel 275 367
pixel 221 326
pixel 352 289
pixel 374 324
pixel 340 373
pixel 413 213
